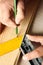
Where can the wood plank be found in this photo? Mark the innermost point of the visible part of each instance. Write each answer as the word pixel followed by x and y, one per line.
pixel 10 58
pixel 9 33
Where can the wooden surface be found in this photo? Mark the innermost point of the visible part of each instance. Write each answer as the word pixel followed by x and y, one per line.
pixel 9 33
pixel 10 58
pixel 37 28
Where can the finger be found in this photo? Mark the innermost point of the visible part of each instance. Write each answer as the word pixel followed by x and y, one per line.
pixel 20 13
pixel 42 63
pixel 19 17
pixel 9 23
pixel 9 4
pixel 35 38
pixel 34 54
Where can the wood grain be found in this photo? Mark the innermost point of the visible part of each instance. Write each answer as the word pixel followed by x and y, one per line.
pixel 10 58
pixel 9 33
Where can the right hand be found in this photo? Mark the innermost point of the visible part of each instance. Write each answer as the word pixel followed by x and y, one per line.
pixel 5 14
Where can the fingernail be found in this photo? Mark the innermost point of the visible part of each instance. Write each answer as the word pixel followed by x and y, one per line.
pixel 27 35
pixel 17 22
pixel 25 58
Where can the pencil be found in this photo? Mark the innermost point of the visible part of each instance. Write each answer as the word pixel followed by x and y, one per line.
pixel 15 12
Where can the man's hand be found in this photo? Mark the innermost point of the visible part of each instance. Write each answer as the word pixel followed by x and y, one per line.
pixel 37 52
pixel 7 14
pixel 20 12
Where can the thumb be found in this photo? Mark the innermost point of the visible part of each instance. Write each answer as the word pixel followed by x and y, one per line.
pixel 35 38
pixel 20 13
pixel 42 63
pixel 19 17
pixel 34 54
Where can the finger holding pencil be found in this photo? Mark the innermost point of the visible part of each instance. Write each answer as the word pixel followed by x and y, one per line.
pixel 19 15
pixel 17 11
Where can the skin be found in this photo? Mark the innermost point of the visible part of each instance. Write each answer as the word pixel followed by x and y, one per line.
pixel 37 52
pixel 42 63
pixel 6 6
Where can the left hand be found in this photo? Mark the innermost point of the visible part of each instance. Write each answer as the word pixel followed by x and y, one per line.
pixel 37 52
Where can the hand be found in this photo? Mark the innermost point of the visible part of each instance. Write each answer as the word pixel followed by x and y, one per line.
pixel 6 14
pixel 37 52
pixel 20 12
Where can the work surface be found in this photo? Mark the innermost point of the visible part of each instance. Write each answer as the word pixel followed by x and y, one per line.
pixel 9 33
pixel 37 28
